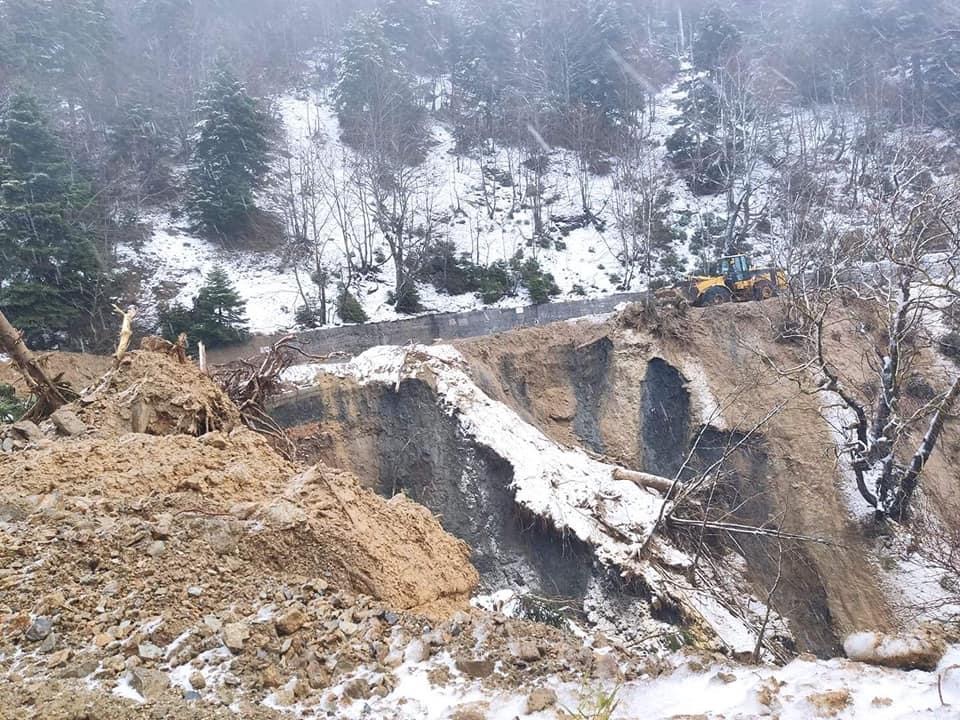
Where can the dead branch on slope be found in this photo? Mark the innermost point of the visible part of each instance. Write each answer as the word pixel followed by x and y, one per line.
pixel 250 383
pixel 126 332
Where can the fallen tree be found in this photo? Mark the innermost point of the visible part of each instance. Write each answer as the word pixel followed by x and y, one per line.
pixel 50 393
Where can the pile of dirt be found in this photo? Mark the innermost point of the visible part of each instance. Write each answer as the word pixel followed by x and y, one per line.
pixel 394 550
pixel 218 467
pixel 138 529
pixel 78 370
pixel 153 393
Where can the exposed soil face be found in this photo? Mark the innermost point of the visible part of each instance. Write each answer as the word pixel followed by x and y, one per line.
pixel 665 419
pixel 659 391
pixel 745 493
pixel 588 372
pixel 421 453
pixel 644 396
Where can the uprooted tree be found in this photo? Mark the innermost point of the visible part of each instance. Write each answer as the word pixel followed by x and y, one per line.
pixel 900 277
pixel 49 393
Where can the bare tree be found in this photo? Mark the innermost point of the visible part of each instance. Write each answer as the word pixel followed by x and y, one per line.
pixel 745 118
pixel 306 213
pixel 397 191
pixel 902 279
pixel 639 203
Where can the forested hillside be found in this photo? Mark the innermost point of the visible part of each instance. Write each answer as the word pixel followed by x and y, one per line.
pixel 234 166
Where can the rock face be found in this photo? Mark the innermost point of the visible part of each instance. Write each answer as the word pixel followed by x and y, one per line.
pixel 920 650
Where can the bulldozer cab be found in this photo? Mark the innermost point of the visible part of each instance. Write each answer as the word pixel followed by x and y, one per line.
pixel 732 266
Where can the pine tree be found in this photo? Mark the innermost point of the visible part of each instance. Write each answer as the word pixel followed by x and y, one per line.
pixel 716 39
pixel 230 154
pixel 51 278
pixel 219 313
pixel 65 46
pixel 140 141
pixel 484 61
pixel 695 147
pixel 217 317
pixel 374 96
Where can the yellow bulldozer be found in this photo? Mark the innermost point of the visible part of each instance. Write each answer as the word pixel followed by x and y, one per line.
pixel 726 279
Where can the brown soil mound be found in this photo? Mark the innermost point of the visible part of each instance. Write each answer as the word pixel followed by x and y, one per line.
pixel 153 393
pixel 123 541
pixel 78 370
pixel 394 550
pixel 218 467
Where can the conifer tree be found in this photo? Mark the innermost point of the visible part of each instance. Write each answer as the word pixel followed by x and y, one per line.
pixel 230 153
pixel 219 313
pixel 374 96
pixel 217 316
pixel 695 146
pixel 51 279
pixel 716 39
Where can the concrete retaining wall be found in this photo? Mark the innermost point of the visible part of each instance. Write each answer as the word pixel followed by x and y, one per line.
pixel 354 339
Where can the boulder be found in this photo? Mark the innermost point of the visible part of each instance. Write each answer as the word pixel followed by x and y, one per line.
pixel 525 650
pixel 541 699
pixel 919 650
pixel 149 683
pixel 234 635
pixel 290 620
pixel 27 430
pixel 39 629
pixel 474 668
pixel 149 651
pixel 67 422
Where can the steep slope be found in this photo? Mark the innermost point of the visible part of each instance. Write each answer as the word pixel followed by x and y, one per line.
pixel 673 398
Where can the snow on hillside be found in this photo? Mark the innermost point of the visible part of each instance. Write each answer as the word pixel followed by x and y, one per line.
pixel 480 205
pixel 175 262
pixel 477 219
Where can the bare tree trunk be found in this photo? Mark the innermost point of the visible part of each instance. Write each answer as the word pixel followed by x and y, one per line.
pixel 49 395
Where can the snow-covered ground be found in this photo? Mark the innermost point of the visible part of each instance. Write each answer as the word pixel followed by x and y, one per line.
pixel 683 684
pixel 803 689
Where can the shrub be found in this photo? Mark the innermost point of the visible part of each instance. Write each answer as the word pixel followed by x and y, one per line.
pixel 450 273
pixel 539 284
pixel 407 300
pixel 349 308
pixel 306 316
pixel 495 282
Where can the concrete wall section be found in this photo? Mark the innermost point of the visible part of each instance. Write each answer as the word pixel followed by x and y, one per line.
pixel 426 329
